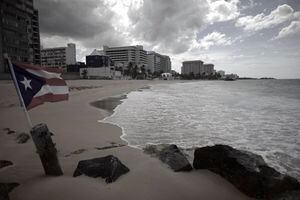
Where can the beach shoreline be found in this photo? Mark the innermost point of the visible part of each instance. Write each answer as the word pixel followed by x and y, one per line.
pixel 79 135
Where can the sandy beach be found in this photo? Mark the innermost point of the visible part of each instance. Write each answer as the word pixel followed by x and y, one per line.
pixel 78 134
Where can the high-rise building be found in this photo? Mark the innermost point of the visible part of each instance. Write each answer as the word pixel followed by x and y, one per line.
pixel 19 32
pixel 126 54
pixel 158 62
pixel 59 57
pixel 196 67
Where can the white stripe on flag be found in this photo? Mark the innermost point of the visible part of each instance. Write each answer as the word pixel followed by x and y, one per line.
pixel 44 74
pixel 47 89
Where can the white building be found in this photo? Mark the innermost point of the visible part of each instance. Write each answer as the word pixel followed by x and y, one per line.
pixel 158 63
pixel 222 73
pixel 124 55
pixel 100 73
pixel 197 67
pixel 189 67
pixel 59 57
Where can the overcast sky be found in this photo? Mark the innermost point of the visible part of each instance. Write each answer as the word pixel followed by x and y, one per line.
pixel 252 38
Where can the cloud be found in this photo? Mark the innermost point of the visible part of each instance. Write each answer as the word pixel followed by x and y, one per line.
pixel 291 29
pixel 213 39
pixel 88 21
pixel 281 14
pixel 222 10
pixel 170 25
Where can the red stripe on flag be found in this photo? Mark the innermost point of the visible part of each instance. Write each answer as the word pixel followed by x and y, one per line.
pixel 47 98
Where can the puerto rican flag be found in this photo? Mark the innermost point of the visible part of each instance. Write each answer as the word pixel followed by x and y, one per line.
pixel 38 85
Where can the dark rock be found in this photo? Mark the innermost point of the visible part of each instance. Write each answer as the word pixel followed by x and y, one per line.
pixel 108 167
pixel 10 132
pixel 5 163
pixel 22 138
pixel 79 151
pixel 5 189
pixel 110 147
pixel 171 155
pixel 247 171
pixel 292 195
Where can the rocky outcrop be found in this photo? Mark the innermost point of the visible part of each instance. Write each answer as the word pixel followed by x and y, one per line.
pixel 291 195
pixel 5 163
pixel 22 138
pixel 5 189
pixel 247 171
pixel 171 155
pixel 108 167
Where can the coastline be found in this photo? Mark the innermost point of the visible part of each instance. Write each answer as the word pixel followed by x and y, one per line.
pixel 75 126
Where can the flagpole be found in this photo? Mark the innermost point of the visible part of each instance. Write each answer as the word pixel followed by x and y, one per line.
pixel 18 90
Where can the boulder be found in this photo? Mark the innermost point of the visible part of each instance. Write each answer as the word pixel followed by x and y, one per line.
pixel 22 138
pixel 171 155
pixel 291 195
pixel 245 170
pixel 5 189
pixel 108 167
pixel 5 163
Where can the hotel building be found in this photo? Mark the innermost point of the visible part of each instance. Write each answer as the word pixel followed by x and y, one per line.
pixel 196 67
pixel 126 54
pixel 59 57
pixel 158 63
pixel 19 32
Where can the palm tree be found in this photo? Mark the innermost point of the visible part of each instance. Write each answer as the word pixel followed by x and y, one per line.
pixel 84 73
pixel 128 71
pixel 134 72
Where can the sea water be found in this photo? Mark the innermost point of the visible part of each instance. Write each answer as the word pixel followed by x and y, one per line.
pixel 261 116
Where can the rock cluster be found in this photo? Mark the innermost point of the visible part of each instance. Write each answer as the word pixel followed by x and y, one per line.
pixel 171 155
pixel 108 167
pixel 246 171
pixel 5 189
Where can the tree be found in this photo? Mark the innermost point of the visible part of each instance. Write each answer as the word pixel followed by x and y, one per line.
pixel 134 72
pixel 84 73
pixel 128 71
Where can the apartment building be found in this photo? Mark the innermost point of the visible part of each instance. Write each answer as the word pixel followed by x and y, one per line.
pixel 19 32
pixel 158 63
pixel 59 57
pixel 196 67
pixel 124 55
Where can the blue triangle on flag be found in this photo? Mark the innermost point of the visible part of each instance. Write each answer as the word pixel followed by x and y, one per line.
pixel 28 83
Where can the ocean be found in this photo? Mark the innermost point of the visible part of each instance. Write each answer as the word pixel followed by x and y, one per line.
pixel 261 116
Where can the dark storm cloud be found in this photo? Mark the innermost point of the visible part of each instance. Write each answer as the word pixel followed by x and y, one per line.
pixel 75 18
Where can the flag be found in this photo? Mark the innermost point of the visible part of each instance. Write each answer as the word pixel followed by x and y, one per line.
pixel 38 85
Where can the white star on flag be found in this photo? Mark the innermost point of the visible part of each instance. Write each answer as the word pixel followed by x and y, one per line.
pixel 26 83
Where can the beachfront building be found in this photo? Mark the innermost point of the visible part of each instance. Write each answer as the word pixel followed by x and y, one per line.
pixel 196 67
pixel 189 67
pixel 98 61
pixel 59 57
pixel 19 32
pixel 221 72
pixel 124 55
pixel 208 69
pixel 158 63
pixel 100 73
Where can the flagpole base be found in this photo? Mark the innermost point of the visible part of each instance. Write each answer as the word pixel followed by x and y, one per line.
pixel 46 150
